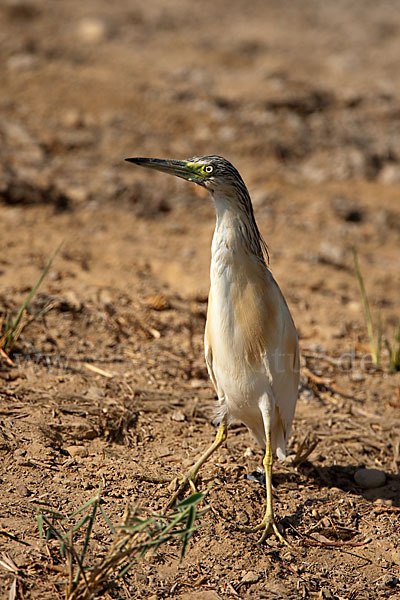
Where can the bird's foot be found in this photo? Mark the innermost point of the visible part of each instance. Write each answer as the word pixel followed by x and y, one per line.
pixel 190 477
pixel 186 482
pixel 269 527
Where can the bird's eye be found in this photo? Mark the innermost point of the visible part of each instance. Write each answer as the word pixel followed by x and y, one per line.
pixel 209 169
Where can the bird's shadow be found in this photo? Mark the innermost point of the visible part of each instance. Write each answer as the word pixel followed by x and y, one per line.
pixel 342 477
pixel 335 476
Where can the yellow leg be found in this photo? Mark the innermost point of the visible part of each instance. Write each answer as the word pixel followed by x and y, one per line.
pixel 190 477
pixel 268 523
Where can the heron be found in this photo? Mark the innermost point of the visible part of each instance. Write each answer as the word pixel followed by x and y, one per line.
pixel 251 343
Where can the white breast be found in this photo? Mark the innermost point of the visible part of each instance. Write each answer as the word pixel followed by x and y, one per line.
pixel 240 381
pixel 250 341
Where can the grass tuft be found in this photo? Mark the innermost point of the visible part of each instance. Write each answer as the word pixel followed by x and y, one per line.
pixel 12 328
pixel 375 339
pixel 394 350
pixel 132 540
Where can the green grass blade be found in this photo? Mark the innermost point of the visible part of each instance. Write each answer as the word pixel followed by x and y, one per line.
pixel 9 334
pixel 135 539
pixel 36 286
pixel 189 530
pixel 88 534
pixel 174 521
pixel 7 322
pixel 138 526
pixel 394 351
pixel 150 543
pixel 193 499
pixel 76 527
pixel 127 568
pixel 395 364
pixel 45 508
pixel 81 508
pixel 39 521
pixel 51 529
pixel 107 520
pixel 367 312
pixel 389 350
pixel 379 340
pixel 42 312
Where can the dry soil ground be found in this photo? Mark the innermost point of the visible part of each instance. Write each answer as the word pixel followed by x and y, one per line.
pixel 303 97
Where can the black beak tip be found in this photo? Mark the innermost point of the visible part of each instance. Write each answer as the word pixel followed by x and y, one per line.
pixel 132 160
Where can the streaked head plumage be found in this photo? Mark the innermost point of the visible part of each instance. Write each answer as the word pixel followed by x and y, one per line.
pixel 224 183
pixel 217 171
pixel 209 171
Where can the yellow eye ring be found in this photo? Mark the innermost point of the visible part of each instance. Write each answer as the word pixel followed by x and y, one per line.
pixel 209 169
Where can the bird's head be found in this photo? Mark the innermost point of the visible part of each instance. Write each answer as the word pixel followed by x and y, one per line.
pixel 224 182
pixel 212 172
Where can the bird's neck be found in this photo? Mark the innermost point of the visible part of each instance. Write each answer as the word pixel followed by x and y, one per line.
pixel 235 231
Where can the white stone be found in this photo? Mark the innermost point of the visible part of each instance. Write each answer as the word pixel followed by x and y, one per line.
pixel 80 451
pixel 92 31
pixel 369 478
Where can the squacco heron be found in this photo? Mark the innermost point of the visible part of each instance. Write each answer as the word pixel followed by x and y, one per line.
pixel 251 344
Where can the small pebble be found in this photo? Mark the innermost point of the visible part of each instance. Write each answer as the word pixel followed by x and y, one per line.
pixel 390 174
pixel 242 517
pixel 71 118
pixel 354 306
pixel 105 298
pixel 22 490
pixel 331 254
pixel 20 452
pixel 369 478
pixel 71 301
pixel 248 452
pixel 80 451
pixel 173 485
pixel 77 193
pixel 92 30
pixel 178 415
pixel 251 577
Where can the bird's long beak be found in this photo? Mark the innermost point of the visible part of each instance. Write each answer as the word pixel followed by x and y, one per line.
pixel 180 168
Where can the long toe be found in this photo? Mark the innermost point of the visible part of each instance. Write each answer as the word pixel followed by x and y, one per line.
pixel 271 528
pixel 268 528
pixel 185 483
